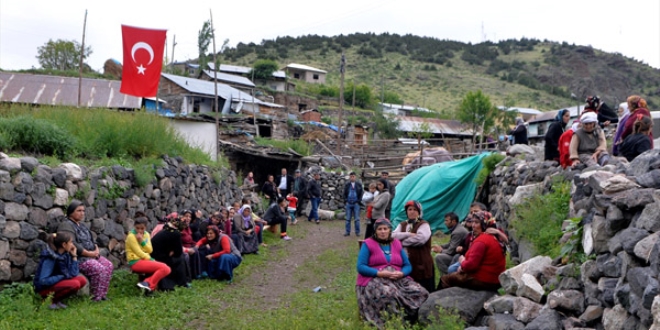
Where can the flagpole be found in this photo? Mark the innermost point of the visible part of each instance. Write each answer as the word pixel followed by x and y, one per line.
pixel 80 64
pixel 341 101
pixel 215 85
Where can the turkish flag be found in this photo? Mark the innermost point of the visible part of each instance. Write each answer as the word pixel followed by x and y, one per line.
pixel 143 60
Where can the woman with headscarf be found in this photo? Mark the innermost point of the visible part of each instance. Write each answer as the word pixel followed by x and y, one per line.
pixel 196 218
pixel 415 236
pixel 245 231
pixel 638 142
pixel 555 131
pixel 588 145
pixel 220 253
pixel 565 143
pixel 624 114
pixel 383 285
pixel 193 261
pixel 379 205
pixel 520 132
pixel 637 106
pixel 91 263
pixel 483 263
pixel 168 249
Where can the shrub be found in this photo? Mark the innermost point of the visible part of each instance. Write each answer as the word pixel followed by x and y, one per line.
pixel 38 136
pixel 299 146
pixel 489 166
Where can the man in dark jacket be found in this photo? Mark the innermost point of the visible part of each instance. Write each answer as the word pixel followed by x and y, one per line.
pixel 284 183
pixel 300 190
pixel 314 193
pixel 353 191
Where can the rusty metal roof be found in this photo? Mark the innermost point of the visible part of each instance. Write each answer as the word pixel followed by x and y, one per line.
pixel 55 90
pixel 437 126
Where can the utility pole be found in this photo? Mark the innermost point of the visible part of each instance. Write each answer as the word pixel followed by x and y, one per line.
pixel 353 94
pixel 173 45
pixel 215 86
pixel 382 89
pixel 342 69
pixel 254 112
pixel 80 64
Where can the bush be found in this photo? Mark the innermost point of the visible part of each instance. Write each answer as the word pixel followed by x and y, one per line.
pixel 36 136
pixel 299 146
pixel 489 166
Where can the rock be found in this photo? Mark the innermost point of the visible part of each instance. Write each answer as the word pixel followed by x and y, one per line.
pixel 12 230
pixel 518 149
pixel 633 198
pixel 548 319
pixel 628 262
pixel 44 201
pixel 61 197
pixel 510 278
pixel 648 220
pixel 30 267
pixel 630 236
pixel 638 278
pixel 592 314
pixel 468 303
pixel 600 234
pixel 525 310
pixel 571 301
pixel 614 318
pixel 6 191
pixel 643 163
pixel 4 249
pixel 17 257
pixel 622 295
pixel 654 258
pixel 587 239
pixel 44 175
pixel 650 292
pixel 615 245
pixel 617 183
pixel 596 179
pixel 28 164
pixel 59 176
pixel 504 322
pixel 569 283
pixel 524 192
pixel 649 179
pixel 16 212
pixel 11 165
pixel 23 183
pixel 73 172
pixel 609 265
pixel 530 288
pixel 655 311
pixel 55 213
pixel 574 323
pixel 615 220
pixel 119 172
pixel 607 287
pixel 38 218
pixel 643 248
pixel 5 270
pixel 500 304
pixel 28 231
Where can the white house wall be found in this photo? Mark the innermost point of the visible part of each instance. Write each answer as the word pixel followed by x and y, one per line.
pixel 198 134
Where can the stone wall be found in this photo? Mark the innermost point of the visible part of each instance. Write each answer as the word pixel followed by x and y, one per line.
pixel 34 197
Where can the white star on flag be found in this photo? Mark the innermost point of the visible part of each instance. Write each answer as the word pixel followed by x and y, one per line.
pixel 141 69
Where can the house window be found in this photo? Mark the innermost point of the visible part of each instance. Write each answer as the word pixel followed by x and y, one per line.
pixel 296 75
pixel 541 129
pixel 315 76
pixel 302 107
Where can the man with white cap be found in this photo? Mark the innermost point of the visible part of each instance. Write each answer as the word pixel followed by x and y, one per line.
pixel 588 145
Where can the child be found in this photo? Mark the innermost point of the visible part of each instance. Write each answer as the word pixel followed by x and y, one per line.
pixel 138 249
pixel 293 201
pixel 368 198
pixel 57 273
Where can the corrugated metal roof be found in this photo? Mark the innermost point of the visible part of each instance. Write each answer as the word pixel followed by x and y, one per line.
pixel 437 126
pixel 240 80
pixel 226 92
pixel 243 70
pixel 55 90
pixel 304 67
pixel 403 107
pixel 526 111
pixel 550 115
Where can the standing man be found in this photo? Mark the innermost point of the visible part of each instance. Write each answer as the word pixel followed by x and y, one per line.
pixel 353 195
pixel 446 252
pixel 300 191
pixel 385 175
pixel 314 193
pixel 284 183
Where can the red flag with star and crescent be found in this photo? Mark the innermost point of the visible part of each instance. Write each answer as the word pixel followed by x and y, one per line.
pixel 143 60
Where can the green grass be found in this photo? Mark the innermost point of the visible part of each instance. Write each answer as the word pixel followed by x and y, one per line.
pixel 298 146
pixel 538 220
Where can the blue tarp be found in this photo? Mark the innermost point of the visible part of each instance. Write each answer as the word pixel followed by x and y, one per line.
pixel 440 188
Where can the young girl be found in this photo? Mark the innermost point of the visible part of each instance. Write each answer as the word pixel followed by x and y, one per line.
pixel 57 273
pixel 221 254
pixel 138 249
pixel 638 142
pixel 293 201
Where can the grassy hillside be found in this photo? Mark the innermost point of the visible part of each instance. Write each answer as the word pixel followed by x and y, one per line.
pixel 436 73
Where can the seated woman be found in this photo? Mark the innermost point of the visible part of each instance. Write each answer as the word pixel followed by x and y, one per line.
pixel 193 261
pixel 138 249
pixel 220 254
pixel 275 215
pixel 245 232
pixel 638 142
pixel 168 249
pixel 91 263
pixel 57 273
pixel 483 263
pixel 383 284
pixel 588 144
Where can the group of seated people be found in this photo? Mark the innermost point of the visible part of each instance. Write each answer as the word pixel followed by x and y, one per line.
pixel 179 249
pixel 395 266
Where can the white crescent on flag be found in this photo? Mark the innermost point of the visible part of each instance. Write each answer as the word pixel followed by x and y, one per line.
pixel 145 46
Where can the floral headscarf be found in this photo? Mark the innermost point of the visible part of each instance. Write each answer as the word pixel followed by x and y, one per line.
pixel 246 219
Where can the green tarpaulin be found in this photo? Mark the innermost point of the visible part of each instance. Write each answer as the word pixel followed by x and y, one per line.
pixel 440 188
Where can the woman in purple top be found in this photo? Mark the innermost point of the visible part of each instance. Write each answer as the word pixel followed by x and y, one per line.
pixel 383 285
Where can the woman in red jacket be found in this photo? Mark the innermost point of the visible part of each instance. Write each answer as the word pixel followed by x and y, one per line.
pixel 482 265
pixel 221 254
pixel 637 106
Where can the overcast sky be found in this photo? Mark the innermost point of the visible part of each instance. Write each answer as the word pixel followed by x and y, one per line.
pixel 631 27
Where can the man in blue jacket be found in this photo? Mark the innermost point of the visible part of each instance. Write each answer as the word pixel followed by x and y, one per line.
pixel 353 191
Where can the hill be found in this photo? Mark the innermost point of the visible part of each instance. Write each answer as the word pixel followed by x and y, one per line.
pixel 435 73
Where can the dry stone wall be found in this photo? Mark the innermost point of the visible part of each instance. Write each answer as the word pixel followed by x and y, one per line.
pixel 34 197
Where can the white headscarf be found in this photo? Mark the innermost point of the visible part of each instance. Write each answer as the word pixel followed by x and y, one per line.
pixel 626 110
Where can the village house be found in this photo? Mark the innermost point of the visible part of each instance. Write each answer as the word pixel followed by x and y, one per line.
pixel 238 82
pixel 305 73
pixel 539 124
pixel 277 82
pixel 184 68
pixel 400 109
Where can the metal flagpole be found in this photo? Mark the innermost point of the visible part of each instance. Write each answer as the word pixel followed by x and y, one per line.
pixel 215 85
pixel 80 64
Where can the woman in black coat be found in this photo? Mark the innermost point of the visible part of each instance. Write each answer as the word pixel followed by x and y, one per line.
pixel 555 131
pixel 168 249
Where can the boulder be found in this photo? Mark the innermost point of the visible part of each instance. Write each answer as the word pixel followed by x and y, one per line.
pixel 59 176
pixel 614 318
pixel 38 218
pixel 607 287
pixel 73 172
pixel 504 322
pixel 524 192
pixel 609 265
pixel 548 319
pixel 511 278
pixel 617 183
pixel 570 301
pixel 17 257
pixel 10 164
pixel 28 164
pixel 615 220
pixel 4 249
pixel 655 311
pixel 638 278
pixel 468 303
pixel 592 314
pixel 5 270
pixel 600 234
pixel 530 288
pixel 28 231
pixel 12 230
pixel 574 323
pixel 525 310
pixel 643 163
pixel 500 304
pixel 650 179
pixel 650 292
pixel 649 220
pixel 61 197
pixel 587 239
pixel 630 236
pixel 633 198
pixel 643 248
pixel 15 211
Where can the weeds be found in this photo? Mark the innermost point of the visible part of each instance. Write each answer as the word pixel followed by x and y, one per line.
pixel 298 146
pixel 489 163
